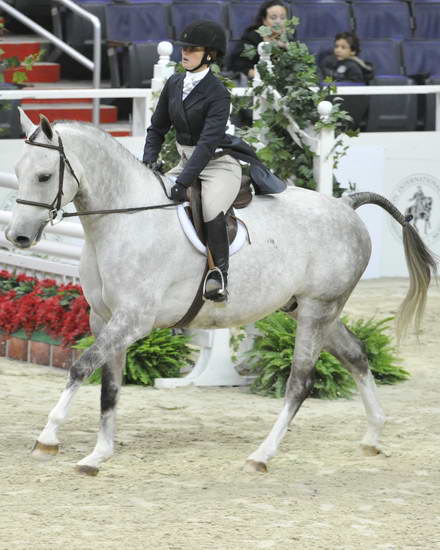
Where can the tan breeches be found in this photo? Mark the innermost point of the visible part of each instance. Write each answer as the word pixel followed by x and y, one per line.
pixel 221 180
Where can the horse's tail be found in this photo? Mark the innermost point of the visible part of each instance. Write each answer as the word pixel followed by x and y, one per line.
pixel 422 264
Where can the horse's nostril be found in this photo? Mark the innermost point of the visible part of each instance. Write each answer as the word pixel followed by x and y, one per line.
pixel 22 240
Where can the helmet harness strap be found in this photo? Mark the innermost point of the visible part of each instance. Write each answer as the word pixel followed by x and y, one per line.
pixel 204 61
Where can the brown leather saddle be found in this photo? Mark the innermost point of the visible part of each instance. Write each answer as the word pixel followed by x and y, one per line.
pixel 194 211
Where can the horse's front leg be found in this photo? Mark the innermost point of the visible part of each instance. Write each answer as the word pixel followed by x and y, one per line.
pixel 108 349
pixel 111 381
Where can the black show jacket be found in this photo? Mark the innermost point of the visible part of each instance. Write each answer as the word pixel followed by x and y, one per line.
pixel 200 120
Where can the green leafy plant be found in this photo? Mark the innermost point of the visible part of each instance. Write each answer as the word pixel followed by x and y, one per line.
pixel 162 354
pixel 271 358
pixel 21 68
pixel 294 75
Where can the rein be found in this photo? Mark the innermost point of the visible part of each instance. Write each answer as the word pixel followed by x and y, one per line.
pixel 56 214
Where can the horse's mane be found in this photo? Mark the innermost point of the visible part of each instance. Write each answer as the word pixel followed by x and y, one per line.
pixel 103 137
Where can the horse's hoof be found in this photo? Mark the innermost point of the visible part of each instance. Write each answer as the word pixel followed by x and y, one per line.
pixel 87 470
pixel 254 466
pixel 43 451
pixel 373 450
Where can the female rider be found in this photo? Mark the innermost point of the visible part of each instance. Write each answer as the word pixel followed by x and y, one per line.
pixel 197 104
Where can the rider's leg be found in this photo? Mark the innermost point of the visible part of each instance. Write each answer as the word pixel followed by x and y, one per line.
pixel 218 244
pixel 221 180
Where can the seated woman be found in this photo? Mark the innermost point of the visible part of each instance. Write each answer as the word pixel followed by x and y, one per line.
pixel 344 63
pixel 271 14
pixel 197 105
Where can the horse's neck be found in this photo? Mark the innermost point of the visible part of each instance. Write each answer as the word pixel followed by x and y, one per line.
pixel 110 178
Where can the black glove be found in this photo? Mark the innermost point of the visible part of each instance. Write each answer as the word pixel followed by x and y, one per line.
pixel 178 192
pixel 155 165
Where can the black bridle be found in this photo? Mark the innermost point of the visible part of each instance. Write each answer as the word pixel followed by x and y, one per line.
pixel 56 214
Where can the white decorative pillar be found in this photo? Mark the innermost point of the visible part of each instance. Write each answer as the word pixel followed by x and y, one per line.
pixel 163 69
pixel 323 161
pixel 214 366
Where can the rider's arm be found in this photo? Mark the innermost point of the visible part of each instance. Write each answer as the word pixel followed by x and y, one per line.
pixel 211 136
pixel 160 124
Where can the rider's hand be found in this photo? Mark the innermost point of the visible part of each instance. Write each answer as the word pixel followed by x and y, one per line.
pixel 178 192
pixel 155 165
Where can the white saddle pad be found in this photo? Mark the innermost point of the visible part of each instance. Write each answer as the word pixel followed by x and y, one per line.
pixel 190 232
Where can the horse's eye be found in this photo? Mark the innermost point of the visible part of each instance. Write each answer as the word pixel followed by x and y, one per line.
pixel 44 177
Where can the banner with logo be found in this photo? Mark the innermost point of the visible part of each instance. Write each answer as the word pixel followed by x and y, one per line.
pixel 404 168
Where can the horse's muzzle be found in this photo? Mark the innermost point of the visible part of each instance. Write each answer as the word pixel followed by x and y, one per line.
pixel 21 240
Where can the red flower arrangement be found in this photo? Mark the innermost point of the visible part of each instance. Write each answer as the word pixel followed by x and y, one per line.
pixel 31 304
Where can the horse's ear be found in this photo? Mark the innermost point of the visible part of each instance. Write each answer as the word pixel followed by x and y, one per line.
pixel 27 125
pixel 46 127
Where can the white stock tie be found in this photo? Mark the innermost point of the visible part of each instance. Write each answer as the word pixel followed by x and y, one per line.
pixel 188 85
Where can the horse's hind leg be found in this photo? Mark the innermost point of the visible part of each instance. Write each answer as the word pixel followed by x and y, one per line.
pixel 314 319
pixel 346 347
pixel 111 381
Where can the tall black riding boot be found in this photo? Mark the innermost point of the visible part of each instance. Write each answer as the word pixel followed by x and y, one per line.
pixel 217 279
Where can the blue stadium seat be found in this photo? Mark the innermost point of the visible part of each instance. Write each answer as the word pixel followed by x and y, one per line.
pixel 319 47
pixel 385 56
pixel 183 13
pixel 137 22
pixel 382 19
pixel 79 31
pixel 321 19
pixel 427 19
pixel 241 15
pixel 392 113
pixel 138 64
pixel 430 107
pixel 421 57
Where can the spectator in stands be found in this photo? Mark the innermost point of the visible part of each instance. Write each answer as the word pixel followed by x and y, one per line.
pixel 344 63
pixel 272 13
pixel 197 105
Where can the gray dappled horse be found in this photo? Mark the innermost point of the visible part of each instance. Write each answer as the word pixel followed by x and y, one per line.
pixel 139 272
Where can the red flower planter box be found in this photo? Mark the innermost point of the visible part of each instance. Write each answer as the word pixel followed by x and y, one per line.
pixel 41 320
pixel 39 348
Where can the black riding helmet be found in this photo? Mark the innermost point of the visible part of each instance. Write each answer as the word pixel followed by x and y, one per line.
pixel 208 34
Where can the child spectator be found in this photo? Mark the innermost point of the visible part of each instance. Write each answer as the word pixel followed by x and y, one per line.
pixel 344 64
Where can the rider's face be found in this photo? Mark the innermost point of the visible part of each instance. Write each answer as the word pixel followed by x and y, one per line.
pixel 192 56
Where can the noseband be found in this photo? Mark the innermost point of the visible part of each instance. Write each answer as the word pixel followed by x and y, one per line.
pixel 54 207
pixel 56 214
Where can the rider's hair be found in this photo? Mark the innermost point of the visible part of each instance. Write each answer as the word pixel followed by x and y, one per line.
pixel 262 13
pixel 351 39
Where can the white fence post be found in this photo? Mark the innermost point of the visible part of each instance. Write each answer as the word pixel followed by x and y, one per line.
pixel 323 161
pixel 163 69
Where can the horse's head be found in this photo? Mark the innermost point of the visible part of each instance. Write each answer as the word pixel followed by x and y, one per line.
pixel 46 183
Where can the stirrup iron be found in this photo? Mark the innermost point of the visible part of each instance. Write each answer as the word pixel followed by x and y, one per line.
pixel 221 294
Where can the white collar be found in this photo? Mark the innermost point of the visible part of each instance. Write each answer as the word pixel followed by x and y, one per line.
pixel 196 77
